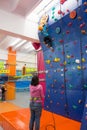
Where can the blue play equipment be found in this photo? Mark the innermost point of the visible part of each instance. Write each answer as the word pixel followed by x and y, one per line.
pixel 22 86
pixel 66 80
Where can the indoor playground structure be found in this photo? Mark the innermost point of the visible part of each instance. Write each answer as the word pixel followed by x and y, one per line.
pixel 62 66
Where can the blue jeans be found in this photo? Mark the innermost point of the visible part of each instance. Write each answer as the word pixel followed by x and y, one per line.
pixel 36 110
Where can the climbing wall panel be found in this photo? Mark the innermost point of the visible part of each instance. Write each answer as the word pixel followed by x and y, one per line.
pixel 66 65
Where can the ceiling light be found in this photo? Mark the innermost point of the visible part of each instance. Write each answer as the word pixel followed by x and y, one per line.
pixel 19 44
pixel 15 42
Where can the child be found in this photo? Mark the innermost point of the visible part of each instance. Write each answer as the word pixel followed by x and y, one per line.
pixel 0 93
pixel 3 92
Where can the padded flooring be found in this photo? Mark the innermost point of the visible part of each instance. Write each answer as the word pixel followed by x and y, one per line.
pixel 15 115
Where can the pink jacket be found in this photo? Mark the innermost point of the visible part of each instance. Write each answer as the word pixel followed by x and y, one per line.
pixel 37 91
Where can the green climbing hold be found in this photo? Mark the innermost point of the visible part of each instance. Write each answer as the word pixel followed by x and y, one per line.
pixel 52 17
pixel 59 48
pixel 79 73
pixel 58 30
pixel 53 8
pixel 55 19
pixel 74 107
pixel 53 13
pixel 70 86
pixel 68 62
pixel 85 86
pixel 67 51
pixel 69 73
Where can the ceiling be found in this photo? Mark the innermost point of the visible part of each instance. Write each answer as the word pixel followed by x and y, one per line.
pixel 17 44
pixel 22 8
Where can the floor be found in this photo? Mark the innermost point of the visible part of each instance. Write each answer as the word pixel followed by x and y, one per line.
pixel 22 100
pixel 47 119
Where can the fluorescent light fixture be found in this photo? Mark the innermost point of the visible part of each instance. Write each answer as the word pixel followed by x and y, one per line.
pixel 15 42
pixel 19 44
pixel 29 45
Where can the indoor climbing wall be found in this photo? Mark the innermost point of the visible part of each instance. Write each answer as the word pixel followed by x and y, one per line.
pixel 66 64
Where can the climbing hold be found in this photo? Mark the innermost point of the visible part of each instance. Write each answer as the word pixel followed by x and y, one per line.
pixel 70 86
pixel 58 103
pixel 86 105
pixel 51 65
pixel 65 69
pixel 62 86
pixel 53 13
pixel 74 106
pixel 54 70
pixel 62 92
pixel 63 13
pixel 64 63
pixel 48 61
pixel 79 18
pixel 63 52
pixel 52 17
pixel 49 76
pixel 55 91
pixel 48 96
pixel 68 10
pixel 83 67
pixel 61 64
pixel 86 117
pixel 62 1
pixel 47 106
pixel 77 61
pixel 49 90
pixel 61 41
pixel 56 59
pixel 85 11
pixel 85 46
pixel 59 48
pixel 85 3
pixel 59 12
pixel 62 70
pixel 66 80
pixel 83 31
pixel 79 73
pixel 62 74
pixel 51 101
pixel 58 30
pixel 67 32
pixel 83 60
pixel 72 56
pixel 55 80
pixel 52 85
pixel 73 68
pixel 58 70
pixel 79 67
pixel 82 25
pixel 73 14
pixel 53 8
pixel 40 27
pixel 80 101
pixel 68 56
pixel 85 86
pixel 70 24
pixel 55 19
pixel 69 73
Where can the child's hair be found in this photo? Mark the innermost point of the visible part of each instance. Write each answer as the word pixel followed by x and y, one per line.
pixel 35 80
